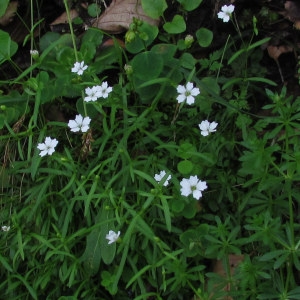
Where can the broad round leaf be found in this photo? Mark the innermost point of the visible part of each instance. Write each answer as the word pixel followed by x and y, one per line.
pixel 204 37
pixel 190 5
pixel 154 8
pixel 176 26
pixel 147 65
pixel 185 167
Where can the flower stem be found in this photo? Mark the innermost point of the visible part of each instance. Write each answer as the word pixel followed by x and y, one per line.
pixel 71 29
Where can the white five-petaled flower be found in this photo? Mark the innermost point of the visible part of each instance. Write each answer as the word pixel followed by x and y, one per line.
pixel 192 186
pixel 5 228
pixel 105 89
pixel 79 68
pixel 207 127
pixel 48 147
pixel 112 236
pixel 92 93
pixel 226 12
pixel 160 176
pixel 187 93
pixel 80 124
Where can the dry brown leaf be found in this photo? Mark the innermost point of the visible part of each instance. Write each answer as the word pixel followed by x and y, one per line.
pixel 292 12
pixel 63 18
pixel 276 51
pixel 9 14
pixel 119 15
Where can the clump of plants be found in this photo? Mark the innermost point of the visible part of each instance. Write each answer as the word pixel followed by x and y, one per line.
pixel 146 170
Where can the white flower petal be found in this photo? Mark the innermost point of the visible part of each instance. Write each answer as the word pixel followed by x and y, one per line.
pixel 181 98
pixel 181 89
pixel 112 236
pixel 190 100
pixel 195 92
pixel 197 194
pixel 189 86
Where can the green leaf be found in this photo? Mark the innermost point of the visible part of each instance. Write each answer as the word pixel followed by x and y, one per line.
pixel 107 251
pixel 138 44
pixel 186 150
pixel 185 167
pixel 187 61
pixel 177 25
pixel 3 7
pixel 94 10
pixel 7 47
pixel 204 37
pixel 166 210
pixel 92 255
pixel 190 5
pixel 154 8
pixel 5 264
pixel 147 65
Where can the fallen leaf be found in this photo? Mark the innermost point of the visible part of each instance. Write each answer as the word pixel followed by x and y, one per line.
pixel 63 18
pixel 292 12
pixel 276 51
pixel 119 15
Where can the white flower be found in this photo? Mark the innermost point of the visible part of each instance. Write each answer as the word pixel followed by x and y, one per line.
pixel 226 12
pixel 187 93
pixel 80 124
pixel 5 228
pixel 104 89
pixel 207 127
pixel 34 53
pixel 48 147
pixel 192 186
pixel 93 93
pixel 79 67
pixel 112 236
pixel 160 176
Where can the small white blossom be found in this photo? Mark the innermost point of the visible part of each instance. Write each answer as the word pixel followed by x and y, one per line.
pixel 207 127
pixel 112 236
pixel 226 12
pixel 104 89
pixel 92 93
pixel 160 176
pixel 80 124
pixel 5 228
pixel 79 68
pixel 187 93
pixel 48 147
pixel 34 53
pixel 192 186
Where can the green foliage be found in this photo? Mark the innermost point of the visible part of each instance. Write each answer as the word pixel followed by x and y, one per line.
pixel 4 5
pixel 177 25
pixel 154 8
pixel 7 47
pixel 60 207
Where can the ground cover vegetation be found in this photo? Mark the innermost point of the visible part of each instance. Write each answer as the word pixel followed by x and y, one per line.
pixel 153 157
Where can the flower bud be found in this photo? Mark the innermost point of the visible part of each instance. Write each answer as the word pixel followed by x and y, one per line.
pixel 128 69
pixel 129 36
pixel 188 41
pixel 34 54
